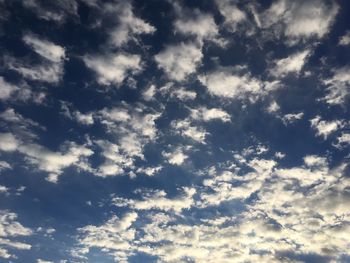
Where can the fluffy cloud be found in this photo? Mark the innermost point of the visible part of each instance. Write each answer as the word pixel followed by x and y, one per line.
pixel 205 114
pixel 338 86
pixel 54 162
pixel 57 11
pixel 292 117
pixel 8 142
pixel 232 14
pixel 127 25
pixel 300 20
pixel 179 61
pixel 6 89
pixel 345 39
pixel 325 128
pixel 292 64
pixel 185 128
pixel 113 68
pixel 114 236
pixel 176 157
pixel 202 26
pixel 10 229
pixel 222 83
pixel 50 69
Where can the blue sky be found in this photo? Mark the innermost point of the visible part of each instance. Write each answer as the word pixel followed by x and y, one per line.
pixel 174 131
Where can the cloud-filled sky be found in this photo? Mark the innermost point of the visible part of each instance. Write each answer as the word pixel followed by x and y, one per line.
pixel 174 131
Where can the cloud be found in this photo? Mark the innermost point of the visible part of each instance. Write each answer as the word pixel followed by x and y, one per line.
pixel 205 114
pixel 292 64
pixel 325 128
pixel 51 67
pixel 232 14
pixel 183 94
pixel 176 157
pixel 180 60
pixel 338 86
pixel 8 142
pixel 82 118
pixel 343 141
pixel 11 229
pixel 44 48
pixel 202 26
pixel 54 162
pixel 127 26
pixel 132 129
pixel 57 11
pixel 159 201
pixel 345 39
pixel 300 20
pixel 113 68
pixel 6 89
pixel 115 236
pixel 292 117
pixel 185 128
pixel 223 83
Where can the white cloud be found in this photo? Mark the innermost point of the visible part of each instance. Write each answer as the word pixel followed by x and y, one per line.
pixel 51 67
pixel 114 236
pixel 292 64
pixel 183 94
pixel 185 128
pixel 325 128
pixel 57 11
pixel 232 14
pixel 128 26
pixel 10 229
pixel 176 157
pixel 343 140
pixel 6 89
pixel 202 26
pixel 4 165
pixel 300 20
pixel 43 261
pixel 205 114
pixel 231 85
pixel 179 61
pixel 159 201
pixel 149 93
pixel 292 117
pixel 345 39
pixel 54 162
pixel 113 68
pixel 44 48
pixel 82 118
pixel 338 86
pixel 8 142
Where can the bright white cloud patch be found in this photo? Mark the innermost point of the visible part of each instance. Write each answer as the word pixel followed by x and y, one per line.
pixel 202 26
pixel 226 84
pixel 113 68
pixel 10 230
pixel 50 69
pixel 292 64
pixel 325 128
pixel 128 26
pixel 232 14
pixel 210 114
pixel 300 20
pixel 345 39
pixel 292 117
pixel 8 142
pixel 179 61
pixel 176 157
pixel 338 86
pixel 6 89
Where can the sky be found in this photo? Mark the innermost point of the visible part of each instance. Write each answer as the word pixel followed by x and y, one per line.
pixel 174 131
